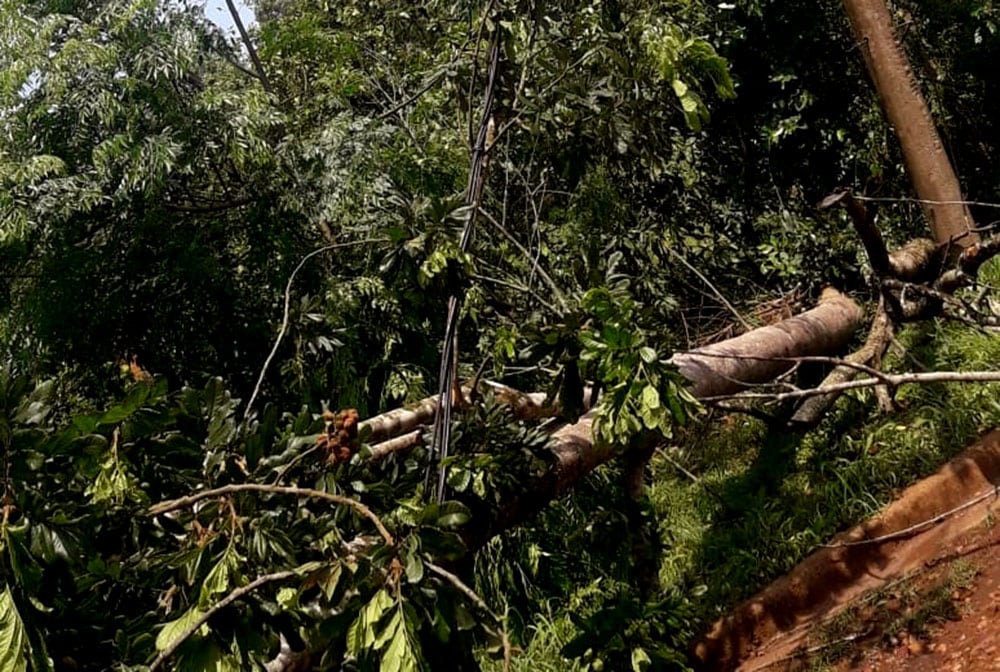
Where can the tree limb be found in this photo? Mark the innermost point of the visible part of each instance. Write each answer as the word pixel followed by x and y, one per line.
pixel 891 380
pixel 184 502
pixel 258 66
pixel 221 604
pixel 879 337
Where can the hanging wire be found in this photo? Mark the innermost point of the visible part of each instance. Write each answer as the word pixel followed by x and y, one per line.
pixel 441 435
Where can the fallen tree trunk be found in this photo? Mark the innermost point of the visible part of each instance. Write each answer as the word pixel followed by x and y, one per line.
pixel 823 330
pixel 812 410
pixel 826 329
pixel 763 354
pixel 404 420
pixel 721 368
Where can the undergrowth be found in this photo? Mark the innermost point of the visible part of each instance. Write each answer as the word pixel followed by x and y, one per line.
pixel 737 504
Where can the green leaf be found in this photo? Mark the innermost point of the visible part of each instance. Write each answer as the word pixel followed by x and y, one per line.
pixel 401 654
pixel 640 660
pixel 362 634
pixel 288 598
pixel 219 409
pixel 329 580
pixel 414 566
pixel 174 629
pixel 453 514
pixel 650 397
pixel 217 581
pixel 13 639
pixel 27 572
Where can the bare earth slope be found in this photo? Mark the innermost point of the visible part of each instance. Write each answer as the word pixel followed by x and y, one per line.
pixel 926 526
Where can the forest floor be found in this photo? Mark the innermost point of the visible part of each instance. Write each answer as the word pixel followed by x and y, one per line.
pixel 917 588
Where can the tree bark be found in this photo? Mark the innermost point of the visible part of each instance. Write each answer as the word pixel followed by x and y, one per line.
pixel 923 153
pixel 761 355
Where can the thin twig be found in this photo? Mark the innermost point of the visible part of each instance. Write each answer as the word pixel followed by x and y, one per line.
pixel 924 201
pixel 708 283
pixel 184 502
pixel 517 288
pixel 284 320
pixel 523 250
pixel 292 462
pixel 891 380
pixel 236 594
pixel 922 525
pixel 471 595
pixel 434 79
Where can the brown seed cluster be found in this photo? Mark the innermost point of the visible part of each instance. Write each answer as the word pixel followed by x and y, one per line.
pixel 340 435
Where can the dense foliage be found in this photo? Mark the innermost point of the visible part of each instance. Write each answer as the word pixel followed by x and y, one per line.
pixel 178 201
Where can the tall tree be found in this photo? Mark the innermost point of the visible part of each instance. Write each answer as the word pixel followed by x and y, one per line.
pixel 931 172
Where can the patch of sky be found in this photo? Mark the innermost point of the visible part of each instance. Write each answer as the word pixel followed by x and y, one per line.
pixel 218 13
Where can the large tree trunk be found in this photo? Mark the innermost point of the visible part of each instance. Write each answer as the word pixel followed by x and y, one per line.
pixel 721 368
pixel 926 160
pixel 764 354
pixel 824 330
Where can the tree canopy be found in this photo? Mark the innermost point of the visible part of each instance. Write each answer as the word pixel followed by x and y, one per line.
pixel 219 253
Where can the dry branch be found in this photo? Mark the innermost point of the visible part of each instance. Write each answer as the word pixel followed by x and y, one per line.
pixel 525 406
pixel 813 410
pixel 890 380
pixel 184 502
pixel 221 604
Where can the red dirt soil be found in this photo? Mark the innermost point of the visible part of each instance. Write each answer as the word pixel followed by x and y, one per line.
pixel 969 643
pixel 944 518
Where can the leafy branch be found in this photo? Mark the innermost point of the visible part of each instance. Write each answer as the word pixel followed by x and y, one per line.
pixel 234 595
pixel 184 502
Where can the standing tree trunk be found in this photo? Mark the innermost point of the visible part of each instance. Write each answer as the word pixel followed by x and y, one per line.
pixel 926 160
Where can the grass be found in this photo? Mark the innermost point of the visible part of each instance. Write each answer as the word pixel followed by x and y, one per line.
pixel 736 505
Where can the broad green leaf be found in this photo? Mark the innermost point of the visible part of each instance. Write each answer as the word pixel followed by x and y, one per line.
pixel 288 598
pixel 401 654
pixel 219 407
pixel 414 565
pixel 640 660
pixel 362 633
pixel 13 639
pixel 174 629
pixel 453 514
pixel 330 579
pixel 217 581
pixel 650 397
pixel 27 572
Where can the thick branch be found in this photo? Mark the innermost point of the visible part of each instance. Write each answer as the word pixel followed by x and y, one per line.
pixel 258 66
pixel 525 406
pixel 812 410
pixel 864 224
pixel 719 369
